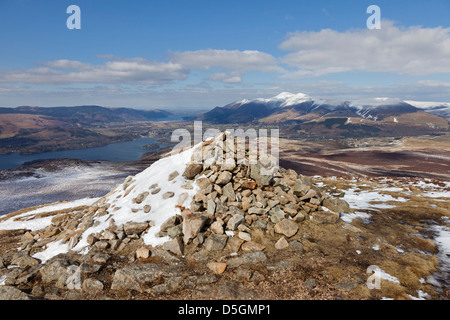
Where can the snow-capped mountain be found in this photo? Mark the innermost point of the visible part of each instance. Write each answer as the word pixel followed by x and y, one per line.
pixel 288 106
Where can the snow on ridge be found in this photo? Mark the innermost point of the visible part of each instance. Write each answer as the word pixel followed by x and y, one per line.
pixel 122 205
pixel 284 99
pixel 28 221
pixel 374 102
pixel 427 104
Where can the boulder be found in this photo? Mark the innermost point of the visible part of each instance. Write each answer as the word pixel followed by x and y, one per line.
pixel 192 225
pixel 192 169
pixel 286 227
pixel 261 175
pixel 176 246
pixel 223 178
pixel 248 258
pixel 336 205
pixel 216 242
pixel 217 267
pixel 228 191
pixel 136 277
pixel 235 221
pixel 282 244
pixel 131 228
pixel 326 217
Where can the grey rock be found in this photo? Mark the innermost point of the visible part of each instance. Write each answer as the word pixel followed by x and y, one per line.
pixel 53 270
pixel 216 242
pixel 192 281
pixel 228 192
pixel 141 197
pixel 311 193
pixel 92 285
pixel 192 225
pixel 276 214
pixel 281 265
pixel 169 286
pixel 101 258
pixel 192 169
pixel 260 223
pixel 173 175
pixel 296 245
pixel 11 293
pixel 175 246
pixel 286 227
pixel 300 187
pixel 102 245
pixel 256 210
pixel 235 221
pixel 248 258
pixel 170 222
pixel 136 277
pixel 337 205
pixel 260 174
pixel 229 164
pixel 346 285
pixel 131 228
pixel 309 284
pixel 24 261
pixel 168 195
pixel 175 231
pixel 326 217
pixel 224 177
pixel 211 207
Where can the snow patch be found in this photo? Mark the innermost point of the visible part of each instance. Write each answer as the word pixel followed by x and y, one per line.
pixel 27 220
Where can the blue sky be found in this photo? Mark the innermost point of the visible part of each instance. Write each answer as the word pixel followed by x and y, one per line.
pixel 205 53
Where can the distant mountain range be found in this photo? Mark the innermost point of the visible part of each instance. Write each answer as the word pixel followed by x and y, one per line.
pixel 288 107
pixel 89 114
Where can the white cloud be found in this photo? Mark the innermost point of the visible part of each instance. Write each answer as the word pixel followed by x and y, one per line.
pixel 136 70
pixel 414 51
pixel 236 60
pixel 225 77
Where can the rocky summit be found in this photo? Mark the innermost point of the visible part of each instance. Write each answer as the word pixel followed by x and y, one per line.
pixel 187 229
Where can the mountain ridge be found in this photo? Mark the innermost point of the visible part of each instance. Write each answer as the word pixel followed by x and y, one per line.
pixel 301 105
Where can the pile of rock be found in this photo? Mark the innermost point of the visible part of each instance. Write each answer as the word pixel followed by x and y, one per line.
pixel 236 198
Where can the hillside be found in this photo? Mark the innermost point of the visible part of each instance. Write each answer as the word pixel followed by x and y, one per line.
pixel 89 115
pixel 39 129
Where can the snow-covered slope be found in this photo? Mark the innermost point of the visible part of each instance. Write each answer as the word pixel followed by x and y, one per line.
pixel 441 109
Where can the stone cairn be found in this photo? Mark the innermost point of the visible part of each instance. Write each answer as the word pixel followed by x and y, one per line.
pixel 237 197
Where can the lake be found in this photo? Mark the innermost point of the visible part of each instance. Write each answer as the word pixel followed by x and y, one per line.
pixel 117 152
